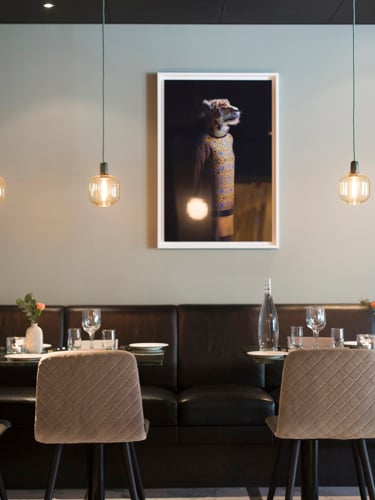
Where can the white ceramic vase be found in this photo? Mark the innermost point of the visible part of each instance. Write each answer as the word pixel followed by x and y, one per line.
pixel 34 339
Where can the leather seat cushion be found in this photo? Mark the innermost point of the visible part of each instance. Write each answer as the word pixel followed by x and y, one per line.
pixel 159 405
pixel 17 404
pixel 225 405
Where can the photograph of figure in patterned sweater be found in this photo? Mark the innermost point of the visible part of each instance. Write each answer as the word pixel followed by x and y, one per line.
pixel 215 154
pixel 217 160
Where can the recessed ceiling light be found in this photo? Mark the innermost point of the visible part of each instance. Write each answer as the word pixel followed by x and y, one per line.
pixel 48 5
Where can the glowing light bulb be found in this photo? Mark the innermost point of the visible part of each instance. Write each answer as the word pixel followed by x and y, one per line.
pixel 197 208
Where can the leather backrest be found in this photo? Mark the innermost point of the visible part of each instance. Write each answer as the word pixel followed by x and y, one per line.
pixel 88 397
pixel 139 324
pixel 212 345
pixel 13 324
pixel 327 394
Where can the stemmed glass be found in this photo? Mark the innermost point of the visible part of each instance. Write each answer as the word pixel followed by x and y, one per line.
pixel 316 321
pixel 91 321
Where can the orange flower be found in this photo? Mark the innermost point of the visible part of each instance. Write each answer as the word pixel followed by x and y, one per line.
pixel 31 308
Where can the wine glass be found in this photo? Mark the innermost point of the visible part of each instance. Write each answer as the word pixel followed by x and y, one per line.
pixel 91 321
pixel 316 321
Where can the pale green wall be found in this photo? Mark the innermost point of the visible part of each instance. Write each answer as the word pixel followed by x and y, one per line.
pixel 65 250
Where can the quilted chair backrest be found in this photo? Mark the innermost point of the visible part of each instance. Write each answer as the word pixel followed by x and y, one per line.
pixel 327 394
pixel 88 397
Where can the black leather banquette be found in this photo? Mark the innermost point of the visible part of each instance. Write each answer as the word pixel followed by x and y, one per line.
pixel 207 403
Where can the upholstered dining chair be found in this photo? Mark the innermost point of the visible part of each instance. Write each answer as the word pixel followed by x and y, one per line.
pixel 91 397
pixel 4 425
pixel 325 394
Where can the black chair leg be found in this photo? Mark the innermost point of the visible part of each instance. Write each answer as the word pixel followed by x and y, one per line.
pixel 293 463
pixel 315 445
pixel 137 473
pixel 96 488
pixel 53 472
pixel 281 445
pixel 3 492
pixel 274 476
pixel 130 470
pixel 359 470
pixel 310 486
pixel 99 448
pixel 362 448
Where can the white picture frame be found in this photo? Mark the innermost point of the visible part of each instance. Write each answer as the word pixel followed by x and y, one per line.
pixel 241 198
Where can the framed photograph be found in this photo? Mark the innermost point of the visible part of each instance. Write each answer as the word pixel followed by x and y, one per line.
pixel 218 160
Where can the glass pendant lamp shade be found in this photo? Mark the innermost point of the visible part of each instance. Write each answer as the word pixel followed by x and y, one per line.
pixel 354 188
pixel 2 189
pixel 104 189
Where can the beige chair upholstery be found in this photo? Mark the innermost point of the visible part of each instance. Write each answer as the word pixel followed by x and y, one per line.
pixel 4 425
pixel 327 394
pixel 90 397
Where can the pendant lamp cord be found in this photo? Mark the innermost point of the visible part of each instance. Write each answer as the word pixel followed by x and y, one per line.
pixel 354 84
pixel 103 75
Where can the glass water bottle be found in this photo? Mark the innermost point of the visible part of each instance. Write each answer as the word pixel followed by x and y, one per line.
pixel 268 324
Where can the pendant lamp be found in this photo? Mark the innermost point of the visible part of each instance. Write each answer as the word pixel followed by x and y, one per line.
pixel 354 188
pixel 2 189
pixel 104 189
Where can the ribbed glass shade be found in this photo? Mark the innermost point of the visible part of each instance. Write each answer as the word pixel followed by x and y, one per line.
pixel 354 188
pixel 104 189
pixel 2 189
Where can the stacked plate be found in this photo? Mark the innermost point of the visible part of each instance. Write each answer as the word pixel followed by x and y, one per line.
pixel 148 347
pixel 24 356
pixel 268 354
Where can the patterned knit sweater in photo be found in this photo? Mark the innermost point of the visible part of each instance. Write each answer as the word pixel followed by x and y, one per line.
pixel 216 155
